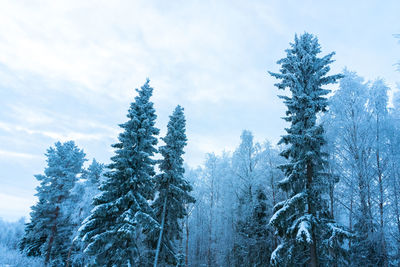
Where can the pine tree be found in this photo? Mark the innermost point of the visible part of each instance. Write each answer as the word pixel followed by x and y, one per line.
pixel 303 220
pixel 122 208
pixel 34 236
pixel 173 192
pixel 49 232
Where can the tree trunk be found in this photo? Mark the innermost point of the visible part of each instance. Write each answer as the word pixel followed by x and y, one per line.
pixel 53 232
pixel 69 256
pixel 313 246
pixel 369 200
pixel 351 211
pixel 275 244
pixel 187 242
pixel 209 252
pixel 72 243
pixel 397 211
pixel 381 193
pixel 363 198
pixel 331 197
pixel 161 232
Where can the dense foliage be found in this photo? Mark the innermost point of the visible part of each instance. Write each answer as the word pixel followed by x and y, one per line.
pixel 327 195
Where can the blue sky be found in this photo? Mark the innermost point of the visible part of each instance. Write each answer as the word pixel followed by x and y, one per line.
pixel 68 70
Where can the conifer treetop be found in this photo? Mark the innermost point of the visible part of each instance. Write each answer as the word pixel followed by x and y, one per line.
pixel 122 209
pixel 302 220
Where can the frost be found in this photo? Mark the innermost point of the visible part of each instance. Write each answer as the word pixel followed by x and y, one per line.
pixel 286 207
pixel 275 257
pixel 304 232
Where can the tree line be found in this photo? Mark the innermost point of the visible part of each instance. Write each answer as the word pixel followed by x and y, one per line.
pixel 326 195
pixel 121 215
pixel 331 200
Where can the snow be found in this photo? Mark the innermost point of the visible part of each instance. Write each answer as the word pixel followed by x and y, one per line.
pixel 304 232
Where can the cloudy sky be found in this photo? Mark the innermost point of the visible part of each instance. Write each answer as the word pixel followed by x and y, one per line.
pixel 68 70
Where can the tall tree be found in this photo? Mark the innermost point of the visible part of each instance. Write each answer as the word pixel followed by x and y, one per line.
pixel 394 177
pixel 173 192
pixel 354 133
pixel 49 233
pixel 378 104
pixel 303 220
pixel 212 179
pixel 122 209
pixel 244 164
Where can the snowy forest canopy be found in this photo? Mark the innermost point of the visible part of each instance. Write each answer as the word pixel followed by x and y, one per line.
pixel 326 195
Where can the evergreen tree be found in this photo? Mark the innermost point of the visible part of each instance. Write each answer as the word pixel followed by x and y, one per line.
pixel 34 236
pixel 255 245
pixel 80 205
pixel 93 174
pixel 122 208
pixel 173 192
pixel 303 220
pixel 49 232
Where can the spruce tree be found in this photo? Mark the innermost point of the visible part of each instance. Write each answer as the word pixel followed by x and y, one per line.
pixel 308 232
pixel 122 208
pixel 255 245
pixel 173 192
pixel 93 173
pixel 49 232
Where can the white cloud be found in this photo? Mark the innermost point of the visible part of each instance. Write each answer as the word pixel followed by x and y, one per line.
pixel 68 68
pixel 20 155
pixel 56 136
pixel 99 45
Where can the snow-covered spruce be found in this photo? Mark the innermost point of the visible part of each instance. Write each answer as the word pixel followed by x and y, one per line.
pixel 122 210
pixel 49 231
pixel 173 193
pixel 303 221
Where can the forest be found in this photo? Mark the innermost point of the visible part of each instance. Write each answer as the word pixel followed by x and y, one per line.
pixel 328 194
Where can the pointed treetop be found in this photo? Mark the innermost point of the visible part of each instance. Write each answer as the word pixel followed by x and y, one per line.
pixel 94 171
pixel 145 90
pixel 301 70
pixel 176 126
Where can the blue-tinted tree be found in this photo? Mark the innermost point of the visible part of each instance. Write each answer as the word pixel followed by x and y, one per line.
pixel 173 192
pixel 378 108
pixel 80 205
pixel 255 245
pixel 356 120
pixel 49 233
pixel 303 220
pixel 122 209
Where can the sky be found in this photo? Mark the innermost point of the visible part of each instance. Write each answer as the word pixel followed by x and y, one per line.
pixel 68 70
